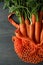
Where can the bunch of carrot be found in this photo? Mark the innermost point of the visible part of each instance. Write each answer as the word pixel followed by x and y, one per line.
pixel 30 14
pixel 33 30
pixel 30 29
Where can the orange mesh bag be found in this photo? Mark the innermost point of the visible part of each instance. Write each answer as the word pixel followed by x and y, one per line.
pixel 27 49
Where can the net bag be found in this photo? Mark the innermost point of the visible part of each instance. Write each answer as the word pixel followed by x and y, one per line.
pixel 27 49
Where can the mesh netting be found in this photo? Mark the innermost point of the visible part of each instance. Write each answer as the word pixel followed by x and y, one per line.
pixel 27 49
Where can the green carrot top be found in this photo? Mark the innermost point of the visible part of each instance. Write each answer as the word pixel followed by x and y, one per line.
pixel 24 8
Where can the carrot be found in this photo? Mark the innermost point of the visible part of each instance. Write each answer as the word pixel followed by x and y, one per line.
pixel 33 19
pixel 42 25
pixel 32 30
pixel 40 16
pixel 32 27
pixel 41 36
pixel 18 33
pixel 37 31
pixel 42 21
pixel 27 26
pixel 23 27
pixel 12 22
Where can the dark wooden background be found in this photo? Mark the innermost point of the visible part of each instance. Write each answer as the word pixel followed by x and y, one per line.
pixel 7 53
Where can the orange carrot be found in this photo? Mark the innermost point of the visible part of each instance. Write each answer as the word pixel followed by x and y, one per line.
pixel 41 37
pixel 33 19
pixel 42 24
pixel 18 33
pixel 23 27
pixel 32 31
pixel 27 26
pixel 37 31
pixel 12 22
pixel 42 21
pixel 40 16
pixel 32 27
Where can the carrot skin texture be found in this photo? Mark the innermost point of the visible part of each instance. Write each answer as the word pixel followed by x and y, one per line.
pixel 23 27
pixel 41 36
pixel 27 26
pixel 40 16
pixel 33 26
pixel 33 19
pixel 42 23
pixel 32 31
pixel 37 31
